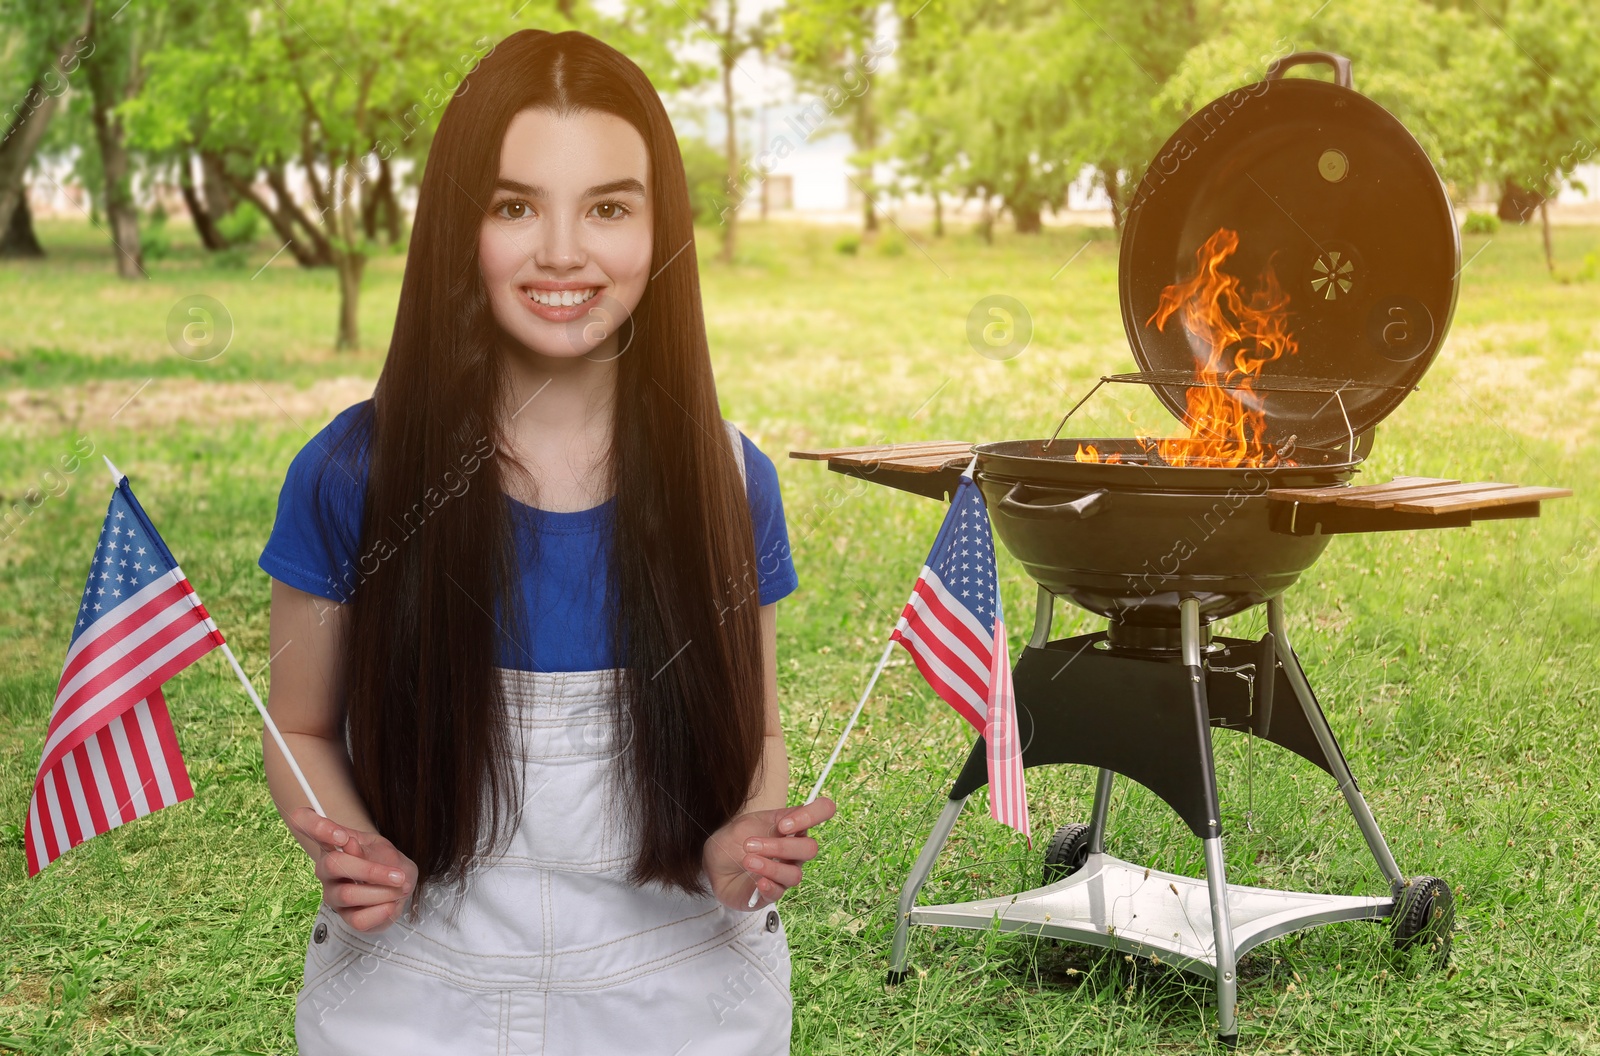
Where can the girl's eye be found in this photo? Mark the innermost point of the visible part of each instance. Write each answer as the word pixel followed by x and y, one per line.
pixel 621 210
pixel 513 210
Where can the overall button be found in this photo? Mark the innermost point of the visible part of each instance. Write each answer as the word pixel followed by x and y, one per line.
pixel 772 920
pixel 320 933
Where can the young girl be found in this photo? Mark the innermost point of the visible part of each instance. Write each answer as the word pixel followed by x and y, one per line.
pixel 523 633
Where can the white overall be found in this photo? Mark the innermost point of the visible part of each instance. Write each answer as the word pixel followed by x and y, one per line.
pixel 550 952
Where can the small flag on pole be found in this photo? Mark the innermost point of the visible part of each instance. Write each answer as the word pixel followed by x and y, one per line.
pixel 955 630
pixel 110 752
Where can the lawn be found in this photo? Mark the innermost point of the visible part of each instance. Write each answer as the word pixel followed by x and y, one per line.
pixel 1459 667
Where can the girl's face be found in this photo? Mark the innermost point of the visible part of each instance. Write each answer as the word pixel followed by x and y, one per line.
pixel 565 246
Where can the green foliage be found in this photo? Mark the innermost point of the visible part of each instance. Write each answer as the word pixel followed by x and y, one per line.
pixel 1478 223
pixel 706 170
pixel 890 243
pixel 242 226
pixel 154 241
pixel 848 244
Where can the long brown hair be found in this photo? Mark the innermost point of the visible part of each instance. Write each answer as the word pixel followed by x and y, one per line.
pixel 425 706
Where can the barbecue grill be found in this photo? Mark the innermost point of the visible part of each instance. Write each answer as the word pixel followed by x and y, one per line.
pixel 1288 272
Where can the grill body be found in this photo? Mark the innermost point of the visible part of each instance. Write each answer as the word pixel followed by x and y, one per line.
pixel 1129 541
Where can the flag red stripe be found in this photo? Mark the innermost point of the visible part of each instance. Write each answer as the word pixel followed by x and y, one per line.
pixel 141 760
pixel 29 848
pixel 119 781
pixel 92 791
pixel 69 815
pixel 106 706
pixel 172 757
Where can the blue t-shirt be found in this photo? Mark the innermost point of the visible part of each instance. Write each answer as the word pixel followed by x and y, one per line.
pixel 561 555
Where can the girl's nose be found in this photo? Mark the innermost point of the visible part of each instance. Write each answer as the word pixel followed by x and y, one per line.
pixel 559 245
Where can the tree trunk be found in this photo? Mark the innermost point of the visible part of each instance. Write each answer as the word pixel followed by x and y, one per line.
pixel 986 222
pixel 1108 176
pixel 121 213
pixel 866 138
pixel 1517 203
pixel 204 224
pixel 379 207
pixel 350 266
pixel 1027 215
pixel 31 117
pixel 22 138
pixel 343 223
pixel 938 215
pixel 321 250
pixel 869 211
pixel 1549 251
pixel 19 241
pixel 214 185
pixel 731 216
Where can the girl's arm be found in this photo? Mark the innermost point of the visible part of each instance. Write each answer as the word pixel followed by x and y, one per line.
pixel 303 642
pixel 771 787
pixel 364 876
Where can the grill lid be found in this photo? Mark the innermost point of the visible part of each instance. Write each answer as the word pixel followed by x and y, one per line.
pixel 1334 194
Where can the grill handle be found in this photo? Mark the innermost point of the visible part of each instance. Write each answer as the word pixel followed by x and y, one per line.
pixel 1341 66
pixel 1081 508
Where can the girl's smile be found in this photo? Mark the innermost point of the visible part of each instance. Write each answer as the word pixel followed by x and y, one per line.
pixel 561 302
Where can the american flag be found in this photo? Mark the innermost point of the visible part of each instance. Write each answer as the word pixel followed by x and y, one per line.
pixel 110 753
pixel 955 631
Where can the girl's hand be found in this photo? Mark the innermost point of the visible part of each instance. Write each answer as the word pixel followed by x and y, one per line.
pixel 761 851
pixel 365 878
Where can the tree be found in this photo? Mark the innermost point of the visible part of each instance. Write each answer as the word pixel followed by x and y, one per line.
pixel 832 49
pixel 122 35
pixel 1533 80
pixel 47 46
pixel 983 77
pixel 677 29
pixel 329 96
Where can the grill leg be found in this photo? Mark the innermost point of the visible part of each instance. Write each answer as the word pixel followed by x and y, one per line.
pixel 919 873
pixel 1216 877
pixel 1102 810
pixel 1330 748
pixel 1227 974
pixel 1044 609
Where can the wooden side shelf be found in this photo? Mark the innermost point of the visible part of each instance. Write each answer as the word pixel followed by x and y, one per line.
pixel 1403 503
pixel 925 467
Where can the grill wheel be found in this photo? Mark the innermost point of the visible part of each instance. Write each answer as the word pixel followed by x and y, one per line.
pixel 1067 852
pixel 1424 917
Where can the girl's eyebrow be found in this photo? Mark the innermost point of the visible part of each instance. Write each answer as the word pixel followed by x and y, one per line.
pixel 626 185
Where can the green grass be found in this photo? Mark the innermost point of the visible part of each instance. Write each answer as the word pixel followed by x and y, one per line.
pixel 1458 667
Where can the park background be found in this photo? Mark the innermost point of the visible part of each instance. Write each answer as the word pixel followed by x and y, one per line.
pixel 864 174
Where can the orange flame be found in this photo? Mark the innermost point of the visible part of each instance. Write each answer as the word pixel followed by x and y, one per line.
pixel 1242 334
pixel 1090 453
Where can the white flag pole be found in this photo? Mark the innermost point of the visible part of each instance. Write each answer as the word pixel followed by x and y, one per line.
pixel 888 647
pixel 272 728
pixel 117 477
